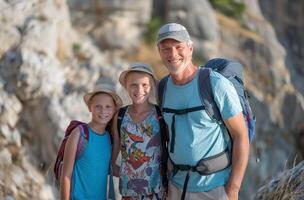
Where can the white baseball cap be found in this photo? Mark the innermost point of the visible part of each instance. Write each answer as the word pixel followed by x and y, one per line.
pixel 173 31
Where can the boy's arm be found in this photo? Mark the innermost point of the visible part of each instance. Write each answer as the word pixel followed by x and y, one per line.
pixel 240 152
pixel 68 164
pixel 116 145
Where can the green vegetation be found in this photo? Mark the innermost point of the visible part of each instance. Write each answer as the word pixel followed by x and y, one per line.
pixel 76 47
pixel 231 8
pixel 152 29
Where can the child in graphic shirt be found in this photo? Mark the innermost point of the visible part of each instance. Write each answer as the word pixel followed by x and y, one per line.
pixel 140 137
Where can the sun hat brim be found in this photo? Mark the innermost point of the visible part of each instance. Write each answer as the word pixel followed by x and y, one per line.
pixel 103 88
pixel 136 67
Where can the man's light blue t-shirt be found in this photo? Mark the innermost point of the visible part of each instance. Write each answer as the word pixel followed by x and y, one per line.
pixel 196 135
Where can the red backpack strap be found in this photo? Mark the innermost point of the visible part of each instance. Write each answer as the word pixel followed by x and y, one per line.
pixel 83 139
pixel 84 130
pixel 73 124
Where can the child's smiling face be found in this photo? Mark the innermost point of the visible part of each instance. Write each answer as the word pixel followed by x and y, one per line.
pixel 102 107
pixel 138 85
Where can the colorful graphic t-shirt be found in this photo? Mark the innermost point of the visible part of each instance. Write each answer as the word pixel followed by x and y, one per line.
pixel 141 151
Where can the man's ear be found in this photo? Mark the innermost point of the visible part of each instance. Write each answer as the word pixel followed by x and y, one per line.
pixel 191 48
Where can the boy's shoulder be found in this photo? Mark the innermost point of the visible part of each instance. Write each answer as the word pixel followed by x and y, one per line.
pixel 72 136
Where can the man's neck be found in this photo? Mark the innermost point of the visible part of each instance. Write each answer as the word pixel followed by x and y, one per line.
pixel 185 76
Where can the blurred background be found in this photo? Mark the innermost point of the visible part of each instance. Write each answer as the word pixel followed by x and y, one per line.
pixel 52 51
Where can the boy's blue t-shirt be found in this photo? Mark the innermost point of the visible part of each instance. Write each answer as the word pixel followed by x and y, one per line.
pixel 196 135
pixel 89 179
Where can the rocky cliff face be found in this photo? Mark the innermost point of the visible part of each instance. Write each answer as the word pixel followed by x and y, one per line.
pixel 287 20
pixel 46 66
pixel 116 25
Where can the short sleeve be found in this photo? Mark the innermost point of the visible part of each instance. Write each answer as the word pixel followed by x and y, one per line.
pixel 225 96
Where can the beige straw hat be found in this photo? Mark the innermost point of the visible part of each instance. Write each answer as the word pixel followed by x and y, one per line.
pixel 105 88
pixel 136 67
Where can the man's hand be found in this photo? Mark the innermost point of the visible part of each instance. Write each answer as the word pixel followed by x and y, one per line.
pixel 232 192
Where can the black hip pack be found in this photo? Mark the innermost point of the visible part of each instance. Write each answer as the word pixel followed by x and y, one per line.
pixel 204 167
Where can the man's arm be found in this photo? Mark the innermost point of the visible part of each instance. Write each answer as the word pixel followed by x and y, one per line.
pixel 240 153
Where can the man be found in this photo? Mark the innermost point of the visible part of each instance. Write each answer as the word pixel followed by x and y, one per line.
pixel 193 135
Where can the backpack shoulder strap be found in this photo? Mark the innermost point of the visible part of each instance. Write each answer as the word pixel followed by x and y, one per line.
pixel 120 116
pixel 78 124
pixel 161 90
pixel 158 112
pixel 206 94
pixel 84 127
pixel 164 140
pixel 162 124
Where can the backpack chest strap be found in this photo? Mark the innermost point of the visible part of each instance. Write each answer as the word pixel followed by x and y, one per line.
pixel 178 112
pixel 183 111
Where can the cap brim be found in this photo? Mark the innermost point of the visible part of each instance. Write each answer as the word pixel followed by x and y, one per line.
pixel 177 38
pixel 181 36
